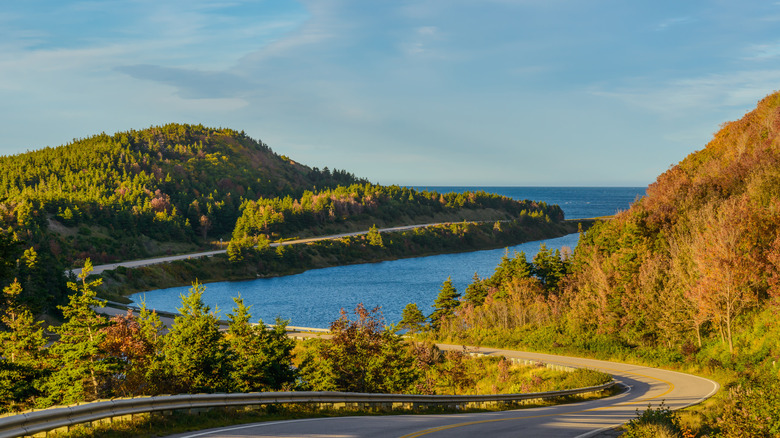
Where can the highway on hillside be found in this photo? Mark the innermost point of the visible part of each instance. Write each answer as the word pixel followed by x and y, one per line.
pixel 644 385
pixel 153 261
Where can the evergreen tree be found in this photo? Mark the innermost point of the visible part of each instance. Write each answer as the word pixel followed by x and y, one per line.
pixel 196 358
pixel 262 357
pixel 21 353
pixel 476 292
pixel 510 267
pixel 375 237
pixel 75 357
pixel 151 327
pixel 412 318
pixel 549 267
pixel 24 341
pixel 445 304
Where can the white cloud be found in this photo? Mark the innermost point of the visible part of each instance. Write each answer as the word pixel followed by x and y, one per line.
pixel 763 51
pixel 674 22
pixel 427 30
pixel 679 97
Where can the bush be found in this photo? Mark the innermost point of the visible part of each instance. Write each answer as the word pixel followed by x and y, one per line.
pixel 752 408
pixel 651 423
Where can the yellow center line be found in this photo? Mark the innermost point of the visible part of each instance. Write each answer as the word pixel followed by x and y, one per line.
pixel 470 423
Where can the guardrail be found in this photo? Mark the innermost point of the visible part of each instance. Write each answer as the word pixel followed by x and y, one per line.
pixel 33 422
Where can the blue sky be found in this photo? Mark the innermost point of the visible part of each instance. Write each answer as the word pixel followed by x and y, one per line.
pixel 424 92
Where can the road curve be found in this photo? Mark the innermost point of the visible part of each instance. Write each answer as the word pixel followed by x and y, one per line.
pixel 157 260
pixel 645 386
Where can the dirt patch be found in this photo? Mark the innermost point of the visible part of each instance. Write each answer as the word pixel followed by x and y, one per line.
pixel 59 228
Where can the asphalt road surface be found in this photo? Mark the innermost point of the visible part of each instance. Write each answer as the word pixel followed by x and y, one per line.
pixel 644 385
pixel 153 261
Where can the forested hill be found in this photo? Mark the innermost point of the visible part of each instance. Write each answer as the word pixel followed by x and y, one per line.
pixel 688 277
pixel 700 255
pixel 181 188
pixel 137 193
pixel 169 183
pixel 689 272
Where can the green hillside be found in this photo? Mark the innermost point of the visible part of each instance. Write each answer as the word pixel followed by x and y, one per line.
pixel 688 277
pixel 162 190
pixel 183 188
pixel 123 196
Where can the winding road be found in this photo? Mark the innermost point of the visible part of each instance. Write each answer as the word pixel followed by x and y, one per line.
pixel 157 260
pixel 644 385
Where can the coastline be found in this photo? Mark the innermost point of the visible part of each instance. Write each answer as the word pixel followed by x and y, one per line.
pixel 123 282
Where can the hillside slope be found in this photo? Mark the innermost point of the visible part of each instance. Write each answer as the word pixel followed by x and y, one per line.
pixel 117 197
pixel 700 253
pixel 688 277
pixel 134 194
pixel 180 188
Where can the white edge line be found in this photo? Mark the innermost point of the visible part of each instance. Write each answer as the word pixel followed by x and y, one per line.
pixel 262 424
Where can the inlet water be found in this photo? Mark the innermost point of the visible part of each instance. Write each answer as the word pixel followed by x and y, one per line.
pixel 314 298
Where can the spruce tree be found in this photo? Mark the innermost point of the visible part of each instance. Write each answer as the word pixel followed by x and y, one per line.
pixel 21 353
pixel 412 318
pixel 375 237
pixel 262 357
pixel 24 341
pixel 75 357
pixel 476 292
pixel 549 267
pixel 445 304
pixel 196 356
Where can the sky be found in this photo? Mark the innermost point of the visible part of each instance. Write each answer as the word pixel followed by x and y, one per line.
pixel 421 92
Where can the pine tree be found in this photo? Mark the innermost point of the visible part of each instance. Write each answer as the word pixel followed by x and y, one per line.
pixel 75 356
pixel 21 353
pixel 375 237
pixel 196 357
pixel 24 341
pixel 510 267
pixel 412 318
pixel 262 357
pixel 476 292
pixel 445 304
pixel 549 267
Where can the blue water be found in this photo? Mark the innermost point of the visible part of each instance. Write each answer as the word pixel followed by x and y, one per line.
pixel 314 298
pixel 576 202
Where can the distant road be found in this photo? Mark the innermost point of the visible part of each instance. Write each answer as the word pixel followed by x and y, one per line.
pixel 154 261
pixel 578 420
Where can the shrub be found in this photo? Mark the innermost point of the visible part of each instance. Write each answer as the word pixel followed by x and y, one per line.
pixel 651 423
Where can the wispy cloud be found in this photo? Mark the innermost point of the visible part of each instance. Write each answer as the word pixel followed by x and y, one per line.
pixel 763 51
pixel 191 84
pixel 674 22
pixel 677 97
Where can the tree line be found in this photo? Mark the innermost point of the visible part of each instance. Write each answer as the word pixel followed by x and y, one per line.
pixel 90 357
pixel 688 276
pixel 174 182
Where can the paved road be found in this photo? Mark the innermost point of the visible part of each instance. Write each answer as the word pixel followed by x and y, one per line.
pixel 153 261
pixel 646 385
